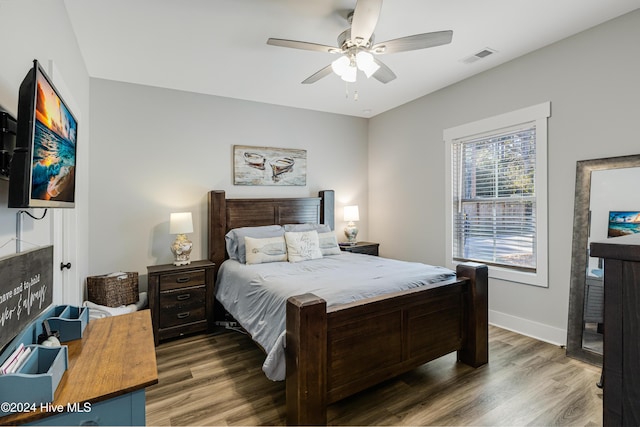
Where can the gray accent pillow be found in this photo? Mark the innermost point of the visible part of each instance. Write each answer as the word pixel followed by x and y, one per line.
pixel 329 244
pixel 320 228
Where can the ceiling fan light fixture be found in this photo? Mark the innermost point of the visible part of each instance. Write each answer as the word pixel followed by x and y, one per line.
pixel 340 65
pixel 357 49
pixel 366 63
pixel 350 74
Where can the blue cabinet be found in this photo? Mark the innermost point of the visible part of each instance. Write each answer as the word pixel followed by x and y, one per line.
pixel 125 410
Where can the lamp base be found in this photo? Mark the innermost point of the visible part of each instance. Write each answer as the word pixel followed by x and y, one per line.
pixel 351 231
pixel 181 248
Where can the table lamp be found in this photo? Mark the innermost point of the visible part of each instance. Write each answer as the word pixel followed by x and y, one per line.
pixel 181 224
pixel 351 214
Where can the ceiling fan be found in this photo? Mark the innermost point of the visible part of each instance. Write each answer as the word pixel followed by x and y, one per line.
pixel 358 50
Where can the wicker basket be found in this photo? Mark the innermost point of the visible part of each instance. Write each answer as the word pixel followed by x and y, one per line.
pixel 112 290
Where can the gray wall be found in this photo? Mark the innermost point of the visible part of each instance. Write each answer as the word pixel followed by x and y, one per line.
pixel 158 151
pixel 591 80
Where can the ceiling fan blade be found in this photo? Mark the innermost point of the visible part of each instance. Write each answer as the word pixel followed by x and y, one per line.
pixel 384 73
pixel 303 45
pixel 365 18
pixel 318 75
pixel 415 42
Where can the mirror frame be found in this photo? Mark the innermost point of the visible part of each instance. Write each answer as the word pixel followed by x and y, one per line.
pixel 581 214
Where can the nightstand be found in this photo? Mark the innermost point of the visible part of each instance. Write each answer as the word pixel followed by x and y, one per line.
pixel 367 248
pixel 181 298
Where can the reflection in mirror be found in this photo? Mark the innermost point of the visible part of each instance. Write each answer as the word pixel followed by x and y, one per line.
pixel 602 186
pixel 615 211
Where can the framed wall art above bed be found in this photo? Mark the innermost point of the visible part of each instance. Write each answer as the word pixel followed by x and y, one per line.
pixel 269 166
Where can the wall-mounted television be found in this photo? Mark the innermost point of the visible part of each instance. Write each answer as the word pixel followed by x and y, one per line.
pixel 43 167
pixel 622 223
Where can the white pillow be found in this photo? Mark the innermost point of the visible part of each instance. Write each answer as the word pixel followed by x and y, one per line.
pixel 303 245
pixel 234 239
pixel 270 249
pixel 329 244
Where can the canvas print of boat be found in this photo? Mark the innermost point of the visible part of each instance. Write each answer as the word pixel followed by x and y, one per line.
pixel 622 223
pixel 269 166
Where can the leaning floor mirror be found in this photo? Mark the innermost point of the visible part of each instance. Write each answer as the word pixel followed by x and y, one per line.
pixel 606 197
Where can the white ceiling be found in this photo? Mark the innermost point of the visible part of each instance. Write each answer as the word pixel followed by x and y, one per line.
pixel 218 47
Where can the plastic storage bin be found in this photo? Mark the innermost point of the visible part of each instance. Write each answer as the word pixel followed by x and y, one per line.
pixel 69 321
pixel 37 379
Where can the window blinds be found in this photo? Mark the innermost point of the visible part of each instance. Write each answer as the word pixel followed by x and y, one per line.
pixel 494 212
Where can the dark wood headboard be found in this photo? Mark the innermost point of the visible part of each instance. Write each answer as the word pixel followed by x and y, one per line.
pixel 226 214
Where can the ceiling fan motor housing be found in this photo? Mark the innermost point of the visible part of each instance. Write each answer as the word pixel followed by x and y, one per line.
pixel 345 42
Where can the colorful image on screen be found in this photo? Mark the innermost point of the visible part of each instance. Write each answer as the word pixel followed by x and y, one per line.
pixel 622 223
pixel 54 148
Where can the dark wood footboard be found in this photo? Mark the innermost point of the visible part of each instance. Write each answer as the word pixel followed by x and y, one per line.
pixel 336 352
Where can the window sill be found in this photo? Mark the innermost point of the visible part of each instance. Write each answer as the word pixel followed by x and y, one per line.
pixel 539 278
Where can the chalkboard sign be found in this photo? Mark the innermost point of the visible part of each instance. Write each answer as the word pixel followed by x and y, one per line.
pixel 26 289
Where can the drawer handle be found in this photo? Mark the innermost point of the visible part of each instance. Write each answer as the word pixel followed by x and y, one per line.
pixel 183 315
pixel 183 297
pixel 183 279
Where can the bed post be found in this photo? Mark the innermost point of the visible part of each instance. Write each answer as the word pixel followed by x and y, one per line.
pixel 306 387
pixel 327 208
pixel 217 226
pixel 476 348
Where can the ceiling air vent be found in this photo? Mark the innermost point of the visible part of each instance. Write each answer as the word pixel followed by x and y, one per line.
pixel 479 55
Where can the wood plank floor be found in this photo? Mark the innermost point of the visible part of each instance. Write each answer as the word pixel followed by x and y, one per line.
pixel 217 380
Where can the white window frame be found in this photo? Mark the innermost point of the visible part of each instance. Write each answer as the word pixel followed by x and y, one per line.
pixel 539 115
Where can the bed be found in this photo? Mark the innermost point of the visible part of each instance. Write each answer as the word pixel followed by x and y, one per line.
pixel 338 349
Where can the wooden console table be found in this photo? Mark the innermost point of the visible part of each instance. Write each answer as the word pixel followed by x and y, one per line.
pixel 109 369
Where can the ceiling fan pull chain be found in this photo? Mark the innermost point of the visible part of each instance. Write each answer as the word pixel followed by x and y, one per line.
pixel 346 90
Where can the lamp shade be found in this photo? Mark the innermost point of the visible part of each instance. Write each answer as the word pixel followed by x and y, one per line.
pixel 351 213
pixel 345 68
pixel 350 74
pixel 180 223
pixel 366 63
pixel 340 65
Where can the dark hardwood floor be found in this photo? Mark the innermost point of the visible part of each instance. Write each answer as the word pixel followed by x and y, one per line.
pixel 217 380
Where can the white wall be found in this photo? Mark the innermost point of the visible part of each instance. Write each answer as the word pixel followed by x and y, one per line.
pixel 591 80
pixel 157 151
pixel 32 29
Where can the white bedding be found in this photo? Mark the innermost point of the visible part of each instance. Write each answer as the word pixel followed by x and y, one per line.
pixel 256 294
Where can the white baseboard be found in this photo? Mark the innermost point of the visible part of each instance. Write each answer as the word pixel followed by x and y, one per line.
pixel 529 328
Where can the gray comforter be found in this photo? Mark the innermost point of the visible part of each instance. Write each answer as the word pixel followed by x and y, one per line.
pixel 255 295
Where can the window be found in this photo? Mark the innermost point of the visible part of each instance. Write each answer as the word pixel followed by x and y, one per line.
pixel 496 191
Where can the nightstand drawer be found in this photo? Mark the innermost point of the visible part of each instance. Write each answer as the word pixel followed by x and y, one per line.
pixel 181 279
pixel 182 306
pixel 366 250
